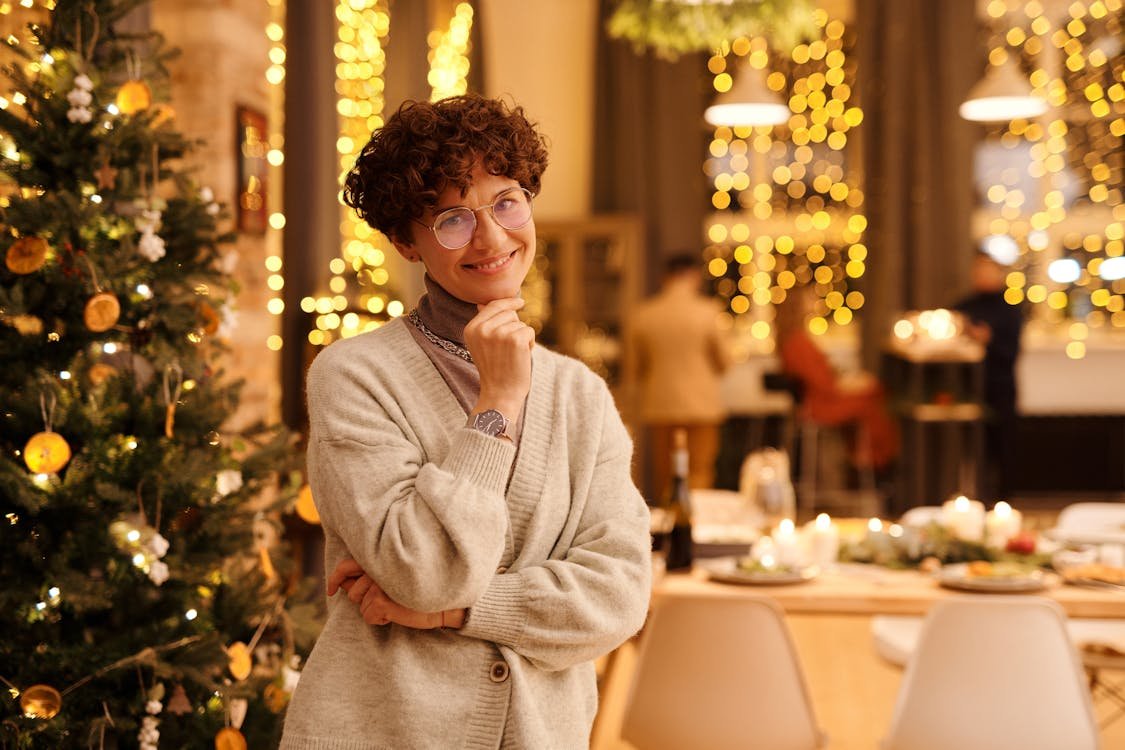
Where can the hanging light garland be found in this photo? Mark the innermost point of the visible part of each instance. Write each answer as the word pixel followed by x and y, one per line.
pixel 361 32
pixel 1067 235
pixel 794 183
pixel 448 56
pixel 275 156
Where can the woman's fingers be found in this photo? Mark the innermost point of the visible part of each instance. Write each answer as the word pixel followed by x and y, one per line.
pixel 347 568
pixel 360 588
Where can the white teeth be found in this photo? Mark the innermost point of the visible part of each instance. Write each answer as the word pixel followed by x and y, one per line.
pixel 493 264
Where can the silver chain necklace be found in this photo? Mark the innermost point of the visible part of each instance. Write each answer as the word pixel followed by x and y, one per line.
pixel 450 346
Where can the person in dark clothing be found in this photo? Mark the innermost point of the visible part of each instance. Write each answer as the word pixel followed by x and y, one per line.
pixel 998 325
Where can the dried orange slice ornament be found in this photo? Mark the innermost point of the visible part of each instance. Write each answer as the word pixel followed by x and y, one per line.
pixel 134 96
pixel 26 255
pixel 46 452
pixel 102 311
pixel 40 702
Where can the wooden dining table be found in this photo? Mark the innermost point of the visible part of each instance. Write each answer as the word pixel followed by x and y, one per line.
pixel 858 589
pixel 829 617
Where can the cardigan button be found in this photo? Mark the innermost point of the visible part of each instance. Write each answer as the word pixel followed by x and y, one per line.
pixel 502 570
pixel 499 671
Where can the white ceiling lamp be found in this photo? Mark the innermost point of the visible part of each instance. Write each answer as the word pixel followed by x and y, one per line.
pixel 748 102
pixel 1003 94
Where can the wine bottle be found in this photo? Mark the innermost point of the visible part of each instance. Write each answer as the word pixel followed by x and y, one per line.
pixel 679 553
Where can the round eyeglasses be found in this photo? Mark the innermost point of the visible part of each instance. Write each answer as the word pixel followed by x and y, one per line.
pixel 454 227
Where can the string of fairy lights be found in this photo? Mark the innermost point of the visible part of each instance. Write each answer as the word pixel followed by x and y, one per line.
pixel 796 182
pixel 275 156
pixel 1067 232
pixel 448 56
pixel 363 27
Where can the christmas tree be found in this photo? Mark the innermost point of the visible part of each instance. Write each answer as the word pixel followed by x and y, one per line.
pixel 144 593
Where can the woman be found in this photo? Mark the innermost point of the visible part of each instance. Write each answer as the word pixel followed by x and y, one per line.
pixel 474 488
pixel 829 397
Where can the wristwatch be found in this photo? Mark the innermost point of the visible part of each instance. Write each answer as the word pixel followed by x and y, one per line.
pixel 492 423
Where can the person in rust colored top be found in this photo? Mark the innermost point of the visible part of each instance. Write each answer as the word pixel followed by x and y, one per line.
pixel 829 397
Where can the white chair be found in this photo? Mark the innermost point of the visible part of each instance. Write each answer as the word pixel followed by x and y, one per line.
pixel 994 672
pixel 718 673
pixel 1092 517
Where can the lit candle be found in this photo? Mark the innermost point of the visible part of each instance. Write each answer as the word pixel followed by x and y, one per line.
pixel 785 543
pixel 1001 524
pixel 964 518
pixel 763 547
pixel 823 540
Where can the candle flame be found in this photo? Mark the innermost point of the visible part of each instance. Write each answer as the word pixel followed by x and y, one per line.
pixel 823 522
pixel 875 524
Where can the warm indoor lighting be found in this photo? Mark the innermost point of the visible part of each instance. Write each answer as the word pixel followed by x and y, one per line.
pixel 749 102
pixel 1003 94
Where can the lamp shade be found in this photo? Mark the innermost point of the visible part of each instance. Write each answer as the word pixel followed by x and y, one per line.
pixel 749 101
pixel 1003 94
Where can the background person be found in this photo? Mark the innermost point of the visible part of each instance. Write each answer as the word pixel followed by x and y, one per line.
pixel 829 397
pixel 676 353
pixel 998 325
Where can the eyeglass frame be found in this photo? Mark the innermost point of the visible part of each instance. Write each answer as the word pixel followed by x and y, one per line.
pixel 473 211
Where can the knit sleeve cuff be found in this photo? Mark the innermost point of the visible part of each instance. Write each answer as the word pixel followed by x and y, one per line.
pixel 480 459
pixel 500 615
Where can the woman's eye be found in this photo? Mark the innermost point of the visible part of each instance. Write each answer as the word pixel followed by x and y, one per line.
pixel 452 221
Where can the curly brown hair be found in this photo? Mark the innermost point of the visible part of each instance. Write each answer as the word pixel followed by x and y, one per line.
pixel 426 147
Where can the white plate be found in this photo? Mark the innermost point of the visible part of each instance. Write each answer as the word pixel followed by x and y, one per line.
pixel 726 570
pixel 957 577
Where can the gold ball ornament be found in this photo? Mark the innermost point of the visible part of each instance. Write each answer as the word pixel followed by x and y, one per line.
pixel 26 255
pixel 240 662
pixel 134 96
pixel 46 452
pixel 40 702
pixel 306 507
pixel 102 311
pixel 229 738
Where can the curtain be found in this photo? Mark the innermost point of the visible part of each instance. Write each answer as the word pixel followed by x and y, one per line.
pixel 649 144
pixel 917 61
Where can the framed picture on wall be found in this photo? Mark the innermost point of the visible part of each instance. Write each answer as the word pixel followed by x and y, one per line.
pixel 253 170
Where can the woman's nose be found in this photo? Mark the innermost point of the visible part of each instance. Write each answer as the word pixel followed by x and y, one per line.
pixel 487 231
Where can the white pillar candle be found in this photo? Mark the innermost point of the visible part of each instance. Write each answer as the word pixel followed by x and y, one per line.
pixel 786 546
pixel 964 518
pixel 1001 524
pixel 822 538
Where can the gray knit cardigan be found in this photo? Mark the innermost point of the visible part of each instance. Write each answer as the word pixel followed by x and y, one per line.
pixel 551 556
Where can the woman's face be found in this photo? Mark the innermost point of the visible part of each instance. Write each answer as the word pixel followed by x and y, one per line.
pixel 494 262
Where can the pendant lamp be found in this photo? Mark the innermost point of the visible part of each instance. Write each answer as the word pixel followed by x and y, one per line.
pixel 1003 94
pixel 748 102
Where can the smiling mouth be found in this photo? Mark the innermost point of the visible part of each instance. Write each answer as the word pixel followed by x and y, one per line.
pixel 491 264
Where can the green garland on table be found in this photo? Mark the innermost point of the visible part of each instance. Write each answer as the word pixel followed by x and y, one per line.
pixel 933 541
pixel 673 27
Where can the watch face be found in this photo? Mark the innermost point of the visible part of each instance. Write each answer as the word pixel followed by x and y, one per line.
pixel 490 422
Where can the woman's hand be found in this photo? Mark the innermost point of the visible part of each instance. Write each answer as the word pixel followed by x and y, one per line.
pixel 379 609
pixel 501 347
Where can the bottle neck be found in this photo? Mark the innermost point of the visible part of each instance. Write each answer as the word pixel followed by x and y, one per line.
pixel 680 463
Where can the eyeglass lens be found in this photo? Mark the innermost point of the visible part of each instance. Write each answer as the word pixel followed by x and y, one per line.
pixel 454 228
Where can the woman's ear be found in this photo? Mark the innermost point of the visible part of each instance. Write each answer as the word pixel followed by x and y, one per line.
pixel 406 251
